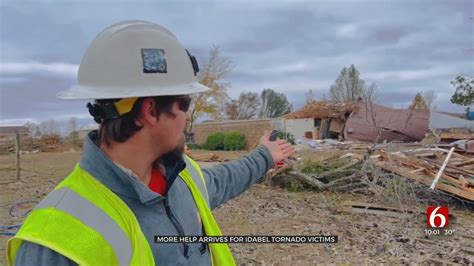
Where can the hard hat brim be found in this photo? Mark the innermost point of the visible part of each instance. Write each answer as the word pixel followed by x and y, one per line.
pixel 84 92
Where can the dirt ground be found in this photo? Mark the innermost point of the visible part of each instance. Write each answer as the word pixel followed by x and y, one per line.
pixel 269 210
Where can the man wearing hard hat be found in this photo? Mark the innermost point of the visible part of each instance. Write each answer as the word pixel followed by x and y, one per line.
pixel 132 182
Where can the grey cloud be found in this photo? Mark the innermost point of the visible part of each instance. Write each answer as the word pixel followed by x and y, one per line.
pixel 288 46
pixel 34 34
pixel 35 98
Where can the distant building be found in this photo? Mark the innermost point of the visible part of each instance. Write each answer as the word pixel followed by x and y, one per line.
pixel 357 121
pixel 318 120
pixel 9 132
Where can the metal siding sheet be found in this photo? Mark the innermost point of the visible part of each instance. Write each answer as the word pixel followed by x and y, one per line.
pixel 396 124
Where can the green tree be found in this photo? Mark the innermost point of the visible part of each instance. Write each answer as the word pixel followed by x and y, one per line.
pixel 215 141
pixel 274 104
pixel 464 94
pixel 234 141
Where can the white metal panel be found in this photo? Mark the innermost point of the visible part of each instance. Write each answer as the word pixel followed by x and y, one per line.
pixel 297 127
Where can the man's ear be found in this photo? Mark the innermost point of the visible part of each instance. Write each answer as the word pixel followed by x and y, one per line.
pixel 148 114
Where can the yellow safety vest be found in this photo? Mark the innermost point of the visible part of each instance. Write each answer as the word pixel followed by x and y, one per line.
pixel 86 222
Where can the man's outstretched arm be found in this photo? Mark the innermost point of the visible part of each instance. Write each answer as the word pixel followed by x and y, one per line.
pixel 229 180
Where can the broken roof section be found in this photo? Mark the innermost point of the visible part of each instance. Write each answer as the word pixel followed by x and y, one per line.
pixel 370 119
pixel 323 110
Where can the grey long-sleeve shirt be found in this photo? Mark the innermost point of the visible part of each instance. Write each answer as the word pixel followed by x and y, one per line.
pixel 223 183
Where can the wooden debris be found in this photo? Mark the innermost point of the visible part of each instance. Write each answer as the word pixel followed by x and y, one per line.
pixel 456 135
pixel 441 170
pixel 455 180
pixel 423 165
pixel 377 210
pixel 207 157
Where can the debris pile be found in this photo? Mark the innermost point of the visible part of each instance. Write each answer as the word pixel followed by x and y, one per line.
pixel 47 143
pixel 423 165
pixel 440 169
pixel 461 139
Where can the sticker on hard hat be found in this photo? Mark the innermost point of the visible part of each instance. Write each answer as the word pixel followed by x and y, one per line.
pixel 154 61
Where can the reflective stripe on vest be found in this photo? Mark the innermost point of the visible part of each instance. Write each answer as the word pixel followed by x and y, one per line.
pixel 197 176
pixel 86 222
pixel 68 201
pixel 220 252
pixel 90 224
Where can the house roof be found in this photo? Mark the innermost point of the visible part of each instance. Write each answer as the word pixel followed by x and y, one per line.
pixel 13 130
pixel 323 110
pixel 393 124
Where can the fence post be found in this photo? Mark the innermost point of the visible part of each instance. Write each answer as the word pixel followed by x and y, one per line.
pixel 17 155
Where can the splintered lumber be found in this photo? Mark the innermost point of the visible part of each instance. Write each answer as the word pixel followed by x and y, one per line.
pixel 465 163
pixel 368 208
pixel 418 170
pixel 441 170
pixel 456 135
pixel 429 168
pixel 467 194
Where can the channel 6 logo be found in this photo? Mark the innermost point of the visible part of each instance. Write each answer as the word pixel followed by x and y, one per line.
pixel 437 216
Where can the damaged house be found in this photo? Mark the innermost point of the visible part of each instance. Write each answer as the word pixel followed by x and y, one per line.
pixel 318 120
pixel 360 121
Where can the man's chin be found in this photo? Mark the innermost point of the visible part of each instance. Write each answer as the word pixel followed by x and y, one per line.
pixel 173 156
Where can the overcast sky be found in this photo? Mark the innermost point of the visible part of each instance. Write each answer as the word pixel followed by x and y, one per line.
pixel 403 46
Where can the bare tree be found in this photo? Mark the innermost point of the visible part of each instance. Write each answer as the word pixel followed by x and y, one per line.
pixel 212 102
pixel 246 107
pixel 33 129
pixel 369 93
pixel 310 98
pixel 72 128
pixel 49 127
pixel 324 97
pixel 348 87
pixel 430 97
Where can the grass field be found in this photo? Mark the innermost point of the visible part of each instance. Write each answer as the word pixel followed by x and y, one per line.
pixel 269 210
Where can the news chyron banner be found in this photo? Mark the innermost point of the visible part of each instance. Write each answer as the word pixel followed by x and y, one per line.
pixel 248 239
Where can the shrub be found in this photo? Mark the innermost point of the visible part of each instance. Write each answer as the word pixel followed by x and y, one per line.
pixel 215 141
pixel 234 141
pixel 288 137
pixel 289 183
pixel 310 167
pixel 194 146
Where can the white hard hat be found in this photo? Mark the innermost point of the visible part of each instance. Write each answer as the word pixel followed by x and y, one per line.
pixel 135 59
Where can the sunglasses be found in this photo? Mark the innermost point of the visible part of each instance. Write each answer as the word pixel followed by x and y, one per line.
pixel 183 103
